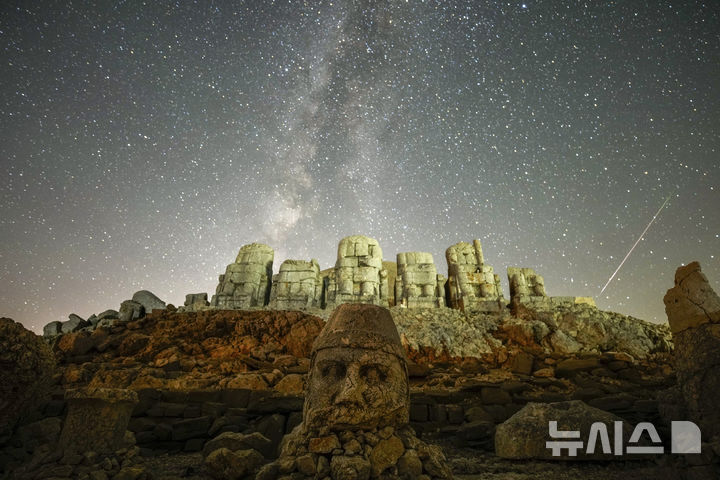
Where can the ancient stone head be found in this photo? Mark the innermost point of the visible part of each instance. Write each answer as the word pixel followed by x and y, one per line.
pixel 358 375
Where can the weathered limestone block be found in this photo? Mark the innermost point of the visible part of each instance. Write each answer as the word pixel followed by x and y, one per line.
pixel 195 300
pixel 418 284
pixel 246 283
pixel 297 285
pixel 524 282
pixel 358 276
pixel 472 285
pixel 693 310
pixel 148 300
pixel 130 310
pixel 356 412
pixel 524 435
pixel 97 419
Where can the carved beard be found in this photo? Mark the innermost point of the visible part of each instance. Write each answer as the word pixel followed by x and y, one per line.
pixel 356 389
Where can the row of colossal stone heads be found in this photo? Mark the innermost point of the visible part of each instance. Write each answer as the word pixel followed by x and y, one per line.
pixel 359 276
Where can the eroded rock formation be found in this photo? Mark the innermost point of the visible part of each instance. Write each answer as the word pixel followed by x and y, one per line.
pixel 246 282
pixel 356 413
pixel 693 310
pixel 296 286
pixel 358 276
pixel 472 285
pixel 26 374
pixel 524 435
pixel 524 282
pixel 418 284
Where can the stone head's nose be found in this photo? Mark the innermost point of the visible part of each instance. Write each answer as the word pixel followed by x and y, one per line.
pixel 351 389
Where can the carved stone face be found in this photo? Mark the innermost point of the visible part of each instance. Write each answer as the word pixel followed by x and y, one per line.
pixel 356 388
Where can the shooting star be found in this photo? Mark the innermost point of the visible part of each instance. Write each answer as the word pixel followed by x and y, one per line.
pixel 636 243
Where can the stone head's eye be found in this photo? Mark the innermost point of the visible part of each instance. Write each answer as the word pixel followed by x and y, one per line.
pixel 333 370
pixel 373 373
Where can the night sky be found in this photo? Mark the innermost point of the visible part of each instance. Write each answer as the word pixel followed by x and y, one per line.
pixel 144 143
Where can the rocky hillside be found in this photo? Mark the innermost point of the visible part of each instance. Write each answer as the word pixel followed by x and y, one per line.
pixel 227 349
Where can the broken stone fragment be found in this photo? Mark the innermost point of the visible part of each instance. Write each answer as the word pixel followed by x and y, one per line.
pixel 97 419
pixel 130 310
pixel 692 301
pixel 693 310
pixel 148 300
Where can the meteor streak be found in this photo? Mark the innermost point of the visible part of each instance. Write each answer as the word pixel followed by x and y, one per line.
pixel 636 243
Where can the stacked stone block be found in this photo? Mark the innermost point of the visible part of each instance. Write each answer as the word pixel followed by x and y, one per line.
pixel 246 283
pixel 524 282
pixel 297 285
pixel 472 285
pixel 358 276
pixel 418 284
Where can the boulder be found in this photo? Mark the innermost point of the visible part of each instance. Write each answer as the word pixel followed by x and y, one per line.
pixel 148 300
pixel 52 329
pixel 692 301
pixel 73 324
pixel 192 299
pixel 693 310
pixel 97 419
pixel 129 310
pixel 224 464
pixel 77 343
pixel 45 431
pixel 108 314
pixel 239 441
pixel 523 435
pixel 26 375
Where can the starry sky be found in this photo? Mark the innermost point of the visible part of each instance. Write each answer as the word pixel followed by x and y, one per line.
pixel 143 143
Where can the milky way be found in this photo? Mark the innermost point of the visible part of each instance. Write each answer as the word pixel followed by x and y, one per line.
pixel 143 145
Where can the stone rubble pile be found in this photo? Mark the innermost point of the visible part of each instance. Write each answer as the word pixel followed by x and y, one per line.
pixel 94 443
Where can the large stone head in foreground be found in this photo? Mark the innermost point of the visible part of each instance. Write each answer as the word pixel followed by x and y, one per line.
pixel 358 377
pixel 355 420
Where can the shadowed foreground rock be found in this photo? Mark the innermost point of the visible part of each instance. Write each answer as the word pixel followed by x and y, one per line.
pixel 26 369
pixel 355 419
pixel 97 419
pixel 523 435
pixel 693 310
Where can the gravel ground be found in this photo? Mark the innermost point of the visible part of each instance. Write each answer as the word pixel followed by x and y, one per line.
pixel 467 464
